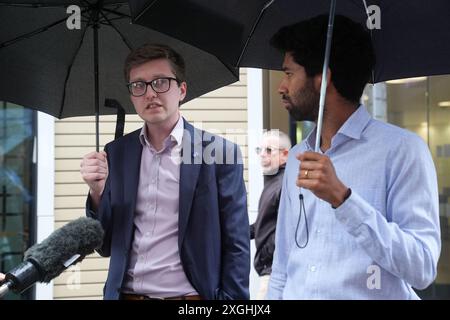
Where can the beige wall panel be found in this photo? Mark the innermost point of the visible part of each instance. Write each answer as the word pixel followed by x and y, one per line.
pixel 68 214
pixel 64 291
pixel 84 277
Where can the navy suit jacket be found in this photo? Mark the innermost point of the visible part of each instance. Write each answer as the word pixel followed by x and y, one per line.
pixel 213 228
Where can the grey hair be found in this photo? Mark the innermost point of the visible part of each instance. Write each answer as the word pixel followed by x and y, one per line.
pixel 283 138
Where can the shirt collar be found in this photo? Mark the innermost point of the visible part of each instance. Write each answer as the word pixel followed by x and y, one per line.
pixel 356 123
pixel 176 135
pixel 352 127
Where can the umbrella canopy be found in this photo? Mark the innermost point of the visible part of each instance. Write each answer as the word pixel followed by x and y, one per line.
pixel 67 72
pixel 413 38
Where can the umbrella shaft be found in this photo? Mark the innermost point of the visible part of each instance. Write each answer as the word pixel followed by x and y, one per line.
pixel 323 86
pixel 96 87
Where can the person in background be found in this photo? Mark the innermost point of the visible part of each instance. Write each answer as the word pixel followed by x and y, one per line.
pixel 273 152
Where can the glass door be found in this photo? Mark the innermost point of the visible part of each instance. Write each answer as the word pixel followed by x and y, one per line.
pixel 17 187
pixel 422 105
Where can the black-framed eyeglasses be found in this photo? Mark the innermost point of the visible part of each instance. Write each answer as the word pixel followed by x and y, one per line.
pixel 160 85
pixel 267 150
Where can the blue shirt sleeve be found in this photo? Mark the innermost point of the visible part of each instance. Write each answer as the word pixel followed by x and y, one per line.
pixel 407 244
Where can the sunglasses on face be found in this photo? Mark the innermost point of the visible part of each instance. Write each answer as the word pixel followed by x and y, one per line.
pixel 267 150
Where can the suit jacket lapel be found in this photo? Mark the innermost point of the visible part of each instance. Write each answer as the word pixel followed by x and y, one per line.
pixel 131 168
pixel 189 171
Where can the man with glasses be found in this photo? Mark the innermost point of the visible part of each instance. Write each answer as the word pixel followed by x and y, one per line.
pixel 273 152
pixel 176 223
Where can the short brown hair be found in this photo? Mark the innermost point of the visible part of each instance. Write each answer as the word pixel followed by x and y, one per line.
pixel 152 51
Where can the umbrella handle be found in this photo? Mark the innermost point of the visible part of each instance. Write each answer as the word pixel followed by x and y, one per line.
pixel 120 120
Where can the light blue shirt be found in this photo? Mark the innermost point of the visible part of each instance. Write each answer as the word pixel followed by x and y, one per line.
pixel 383 240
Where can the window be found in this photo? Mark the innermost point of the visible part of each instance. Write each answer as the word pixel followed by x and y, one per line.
pixel 17 187
pixel 422 105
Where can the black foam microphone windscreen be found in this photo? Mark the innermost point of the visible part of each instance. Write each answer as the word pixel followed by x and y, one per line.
pixel 48 259
pixel 81 236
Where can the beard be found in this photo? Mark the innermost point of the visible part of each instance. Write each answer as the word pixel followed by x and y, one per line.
pixel 304 104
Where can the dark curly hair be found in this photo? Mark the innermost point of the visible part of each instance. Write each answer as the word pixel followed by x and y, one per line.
pixel 352 56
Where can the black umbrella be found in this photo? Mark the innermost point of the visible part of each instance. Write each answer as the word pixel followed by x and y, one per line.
pixel 67 72
pixel 411 37
pixel 414 38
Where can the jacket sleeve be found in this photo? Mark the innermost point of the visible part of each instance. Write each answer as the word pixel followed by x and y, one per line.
pixel 235 231
pixel 268 248
pixel 252 231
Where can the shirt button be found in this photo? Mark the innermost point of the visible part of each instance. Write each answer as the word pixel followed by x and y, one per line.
pixel 318 231
pixel 153 181
pixel 313 269
pixel 147 234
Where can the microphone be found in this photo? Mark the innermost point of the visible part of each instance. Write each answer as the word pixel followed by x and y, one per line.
pixel 45 261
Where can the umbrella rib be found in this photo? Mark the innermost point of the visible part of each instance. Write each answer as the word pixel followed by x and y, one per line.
pixel 261 13
pixel 143 11
pixel 37 5
pixel 232 70
pixel 366 10
pixel 108 21
pixel 123 15
pixel 111 19
pixel 30 34
pixel 69 69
